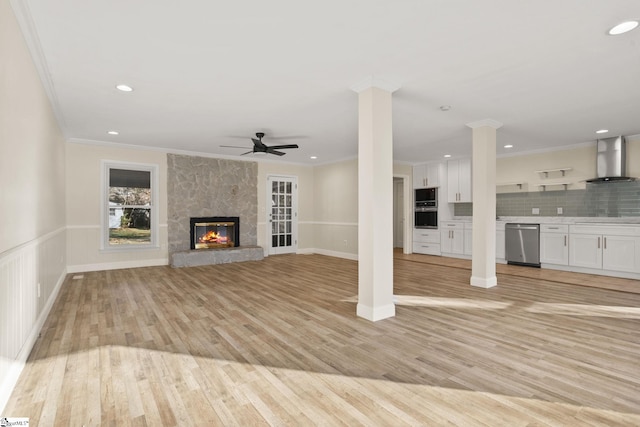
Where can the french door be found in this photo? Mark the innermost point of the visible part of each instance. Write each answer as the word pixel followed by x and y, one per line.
pixel 282 219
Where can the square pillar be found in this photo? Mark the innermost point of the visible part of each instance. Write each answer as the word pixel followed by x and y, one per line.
pixel 483 261
pixel 375 204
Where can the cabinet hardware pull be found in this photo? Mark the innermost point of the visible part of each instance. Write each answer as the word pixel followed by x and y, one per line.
pixel 553 228
pixel 565 240
pixel 605 243
pixel 598 243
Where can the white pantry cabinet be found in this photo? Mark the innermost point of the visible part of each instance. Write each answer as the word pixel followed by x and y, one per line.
pixel 554 244
pixel 606 247
pixel 426 241
pixel 427 175
pixel 459 181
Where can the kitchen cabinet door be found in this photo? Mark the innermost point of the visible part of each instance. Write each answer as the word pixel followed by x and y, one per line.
pixel 452 241
pixel 427 175
pixel 554 248
pixel 420 176
pixel 464 182
pixel 619 253
pixel 459 181
pixel 433 174
pixel 500 245
pixel 585 250
pixel 468 241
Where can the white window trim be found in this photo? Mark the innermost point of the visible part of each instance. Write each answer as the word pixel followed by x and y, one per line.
pixel 104 206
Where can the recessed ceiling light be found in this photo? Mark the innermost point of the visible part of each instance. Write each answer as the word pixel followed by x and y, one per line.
pixel 113 132
pixel 508 146
pixel 602 131
pixel 623 27
pixel 447 155
pixel 445 107
pixel 124 88
pixel 313 157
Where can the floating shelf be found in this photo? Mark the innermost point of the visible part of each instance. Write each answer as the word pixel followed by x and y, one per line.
pixel 508 184
pixel 564 184
pixel 546 172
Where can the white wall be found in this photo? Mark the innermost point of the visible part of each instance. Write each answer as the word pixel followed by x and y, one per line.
pixel 83 180
pixel 32 208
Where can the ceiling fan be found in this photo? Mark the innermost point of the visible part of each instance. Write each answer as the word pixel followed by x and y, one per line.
pixel 260 147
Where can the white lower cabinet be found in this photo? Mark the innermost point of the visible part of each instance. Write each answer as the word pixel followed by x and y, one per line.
pixel 452 237
pixel 468 238
pixel 426 241
pixel 612 248
pixel 500 241
pixel 554 244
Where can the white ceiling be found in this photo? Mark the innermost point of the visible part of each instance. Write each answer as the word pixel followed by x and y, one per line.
pixel 206 72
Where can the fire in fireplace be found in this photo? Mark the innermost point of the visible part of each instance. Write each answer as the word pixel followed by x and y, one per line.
pixel 215 232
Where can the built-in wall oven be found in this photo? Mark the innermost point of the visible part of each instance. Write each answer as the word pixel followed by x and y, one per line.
pixel 426 208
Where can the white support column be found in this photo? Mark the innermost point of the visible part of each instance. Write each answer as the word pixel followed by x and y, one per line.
pixel 375 202
pixel 483 262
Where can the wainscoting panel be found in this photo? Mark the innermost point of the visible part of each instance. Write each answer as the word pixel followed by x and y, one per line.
pixel 30 277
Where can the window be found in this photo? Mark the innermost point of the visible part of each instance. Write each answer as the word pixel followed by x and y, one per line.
pixel 130 216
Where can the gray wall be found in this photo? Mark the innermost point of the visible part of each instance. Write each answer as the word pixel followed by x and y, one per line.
pixel 202 186
pixel 613 199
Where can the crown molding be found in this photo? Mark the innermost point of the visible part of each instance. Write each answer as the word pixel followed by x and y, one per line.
pixel 485 123
pixel 373 81
pixel 32 40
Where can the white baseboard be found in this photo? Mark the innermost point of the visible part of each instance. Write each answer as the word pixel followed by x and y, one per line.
pixel 336 254
pixel 83 268
pixel 17 365
pixel 375 313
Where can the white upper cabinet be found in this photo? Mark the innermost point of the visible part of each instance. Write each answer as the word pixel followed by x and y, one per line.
pixel 459 181
pixel 427 175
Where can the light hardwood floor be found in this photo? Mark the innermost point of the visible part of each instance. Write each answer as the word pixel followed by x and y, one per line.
pixel 277 342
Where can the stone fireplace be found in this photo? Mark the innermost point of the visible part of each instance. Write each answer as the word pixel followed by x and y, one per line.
pixel 201 187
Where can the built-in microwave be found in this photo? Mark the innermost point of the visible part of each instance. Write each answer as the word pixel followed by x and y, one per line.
pixel 426 208
pixel 426 195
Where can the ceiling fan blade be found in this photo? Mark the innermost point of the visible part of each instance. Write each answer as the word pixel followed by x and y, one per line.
pixel 248 152
pixel 287 137
pixel 281 147
pixel 277 153
pixel 234 146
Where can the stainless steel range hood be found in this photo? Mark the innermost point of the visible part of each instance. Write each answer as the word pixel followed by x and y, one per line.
pixel 611 160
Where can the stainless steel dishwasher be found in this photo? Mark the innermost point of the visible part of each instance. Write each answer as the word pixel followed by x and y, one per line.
pixel 522 244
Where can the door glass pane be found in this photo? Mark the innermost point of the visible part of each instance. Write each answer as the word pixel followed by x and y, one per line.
pixel 282 240
pixel 282 187
pixel 274 187
pixel 288 240
pixel 288 188
pixel 274 241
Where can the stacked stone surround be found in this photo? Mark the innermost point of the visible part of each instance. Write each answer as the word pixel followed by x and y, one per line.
pixel 201 186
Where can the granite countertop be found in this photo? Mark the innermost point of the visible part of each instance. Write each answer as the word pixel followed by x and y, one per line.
pixel 562 219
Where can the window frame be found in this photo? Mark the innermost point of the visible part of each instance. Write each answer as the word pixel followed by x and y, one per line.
pixel 106 166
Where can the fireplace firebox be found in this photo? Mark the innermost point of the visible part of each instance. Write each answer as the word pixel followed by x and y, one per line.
pixel 215 232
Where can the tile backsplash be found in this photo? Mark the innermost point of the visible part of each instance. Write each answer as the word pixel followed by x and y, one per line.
pixel 612 199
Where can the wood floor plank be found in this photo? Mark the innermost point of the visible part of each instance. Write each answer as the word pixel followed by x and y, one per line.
pixel 277 342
